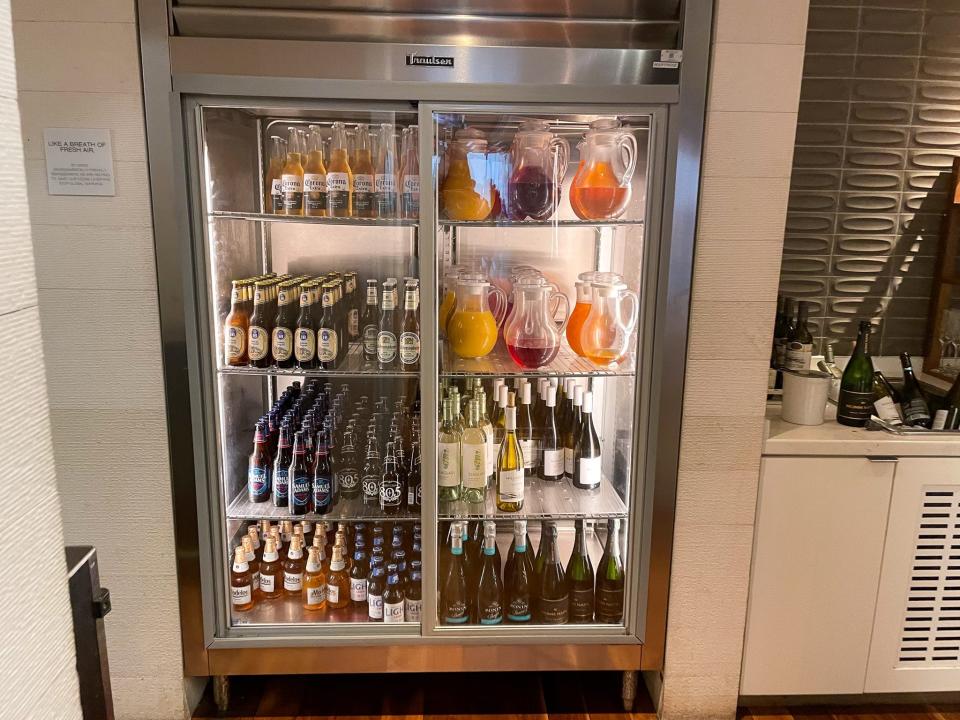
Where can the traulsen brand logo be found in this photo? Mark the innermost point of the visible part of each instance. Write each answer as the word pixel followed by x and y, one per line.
pixel 430 60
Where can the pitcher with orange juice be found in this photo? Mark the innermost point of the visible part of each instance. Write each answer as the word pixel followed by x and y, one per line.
pixel 473 327
pixel 608 158
pixel 466 191
pixel 584 302
pixel 605 337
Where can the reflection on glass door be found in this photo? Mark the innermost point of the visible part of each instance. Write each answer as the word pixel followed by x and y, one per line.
pixel 540 244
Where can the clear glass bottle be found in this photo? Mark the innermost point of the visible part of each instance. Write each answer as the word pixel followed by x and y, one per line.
pixel 314 176
pixel 241 582
pixel 473 457
pixel 363 172
pixel 291 178
pixel 410 174
pixel 385 175
pixel 510 488
pixel 448 455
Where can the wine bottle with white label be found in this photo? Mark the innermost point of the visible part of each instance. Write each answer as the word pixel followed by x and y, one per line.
pixel 473 457
pixel 885 402
pixel 448 455
pixel 799 346
pixel 551 468
pixel 855 403
pixel 526 433
pixel 586 465
pixel 510 466
pixel 913 402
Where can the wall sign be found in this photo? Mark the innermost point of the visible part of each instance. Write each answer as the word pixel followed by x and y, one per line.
pixel 79 161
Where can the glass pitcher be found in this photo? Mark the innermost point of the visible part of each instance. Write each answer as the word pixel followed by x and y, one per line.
pixel 581 310
pixel 472 329
pixel 539 165
pixel 605 337
pixel 608 157
pixel 533 336
pixel 466 191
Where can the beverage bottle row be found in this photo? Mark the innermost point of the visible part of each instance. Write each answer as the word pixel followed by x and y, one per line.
pixel 353 173
pixel 553 439
pixel 475 587
pixel 792 340
pixel 315 448
pixel 269 328
pixel 358 569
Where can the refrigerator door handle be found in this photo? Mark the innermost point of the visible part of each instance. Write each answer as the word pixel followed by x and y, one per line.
pixel 101 603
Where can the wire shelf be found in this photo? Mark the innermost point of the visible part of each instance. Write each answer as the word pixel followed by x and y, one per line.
pixel 303 219
pixel 499 363
pixel 352 509
pixel 353 365
pixel 545 500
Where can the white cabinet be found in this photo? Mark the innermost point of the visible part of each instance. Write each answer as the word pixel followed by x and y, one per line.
pixel 818 547
pixel 916 636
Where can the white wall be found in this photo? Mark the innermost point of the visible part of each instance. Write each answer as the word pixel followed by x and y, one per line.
pixel 754 91
pixel 78 65
pixel 37 659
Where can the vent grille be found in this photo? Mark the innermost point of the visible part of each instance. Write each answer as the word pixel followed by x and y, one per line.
pixel 931 624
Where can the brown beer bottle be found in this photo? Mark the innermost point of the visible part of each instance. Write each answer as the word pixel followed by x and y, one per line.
pixel 258 334
pixel 241 582
pixel 409 341
pixel 235 327
pixel 271 570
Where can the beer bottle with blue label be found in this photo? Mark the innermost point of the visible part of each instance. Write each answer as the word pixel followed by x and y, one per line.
pixel 258 472
pixel 300 477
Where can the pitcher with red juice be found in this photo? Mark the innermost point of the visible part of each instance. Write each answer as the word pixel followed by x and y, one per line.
pixel 533 334
pixel 539 165
pixel 608 158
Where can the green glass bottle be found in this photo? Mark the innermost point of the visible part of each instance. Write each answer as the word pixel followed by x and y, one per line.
pixel 855 404
pixel 580 579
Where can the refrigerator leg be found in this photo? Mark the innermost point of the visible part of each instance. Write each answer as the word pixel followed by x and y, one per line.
pixel 629 692
pixel 221 691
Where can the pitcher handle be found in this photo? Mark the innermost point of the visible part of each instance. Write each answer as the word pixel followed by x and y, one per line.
pixel 562 299
pixel 554 300
pixel 627 144
pixel 560 148
pixel 634 311
pixel 501 313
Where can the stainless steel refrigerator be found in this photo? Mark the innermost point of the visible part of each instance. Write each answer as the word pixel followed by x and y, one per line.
pixel 493 89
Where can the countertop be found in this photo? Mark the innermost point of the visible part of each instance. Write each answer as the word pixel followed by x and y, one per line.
pixel 831 438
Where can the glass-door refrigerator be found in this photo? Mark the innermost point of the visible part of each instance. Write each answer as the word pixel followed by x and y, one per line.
pixel 424 342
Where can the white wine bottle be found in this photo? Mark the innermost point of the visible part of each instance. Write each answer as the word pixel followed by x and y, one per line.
pixel 473 457
pixel 448 450
pixel 510 466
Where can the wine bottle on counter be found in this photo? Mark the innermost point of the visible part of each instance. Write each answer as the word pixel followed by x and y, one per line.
pixel 952 406
pixel 885 400
pixel 913 403
pixel 774 374
pixel 799 341
pixel 781 333
pixel 855 404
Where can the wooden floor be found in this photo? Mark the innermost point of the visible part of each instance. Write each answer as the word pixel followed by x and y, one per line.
pixel 460 696
pixel 480 696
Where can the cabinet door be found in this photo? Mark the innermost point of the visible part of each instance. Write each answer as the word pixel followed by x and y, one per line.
pixel 816 564
pixel 916 636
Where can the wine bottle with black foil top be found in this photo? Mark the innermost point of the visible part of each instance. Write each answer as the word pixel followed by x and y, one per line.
pixel 952 406
pixel 913 403
pixel 553 598
pixel 580 579
pixel 781 332
pixel 799 341
pixel 517 583
pixel 855 405
pixel 610 577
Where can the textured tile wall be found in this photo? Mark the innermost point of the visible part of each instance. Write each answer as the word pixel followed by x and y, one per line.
pixel 38 676
pixel 879 125
pixel 757 58
pixel 78 66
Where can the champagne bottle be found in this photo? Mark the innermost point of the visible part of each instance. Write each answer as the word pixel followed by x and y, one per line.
pixel 580 579
pixel 610 577
pixel 553 598
pixel 885 403
pixel 572 432
pixel 799 341
pixel 453 590
pixel 913 403
pixel 490 587
pixel 510 467
pixel 856 386
pixel 586 452
pixel 517 585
